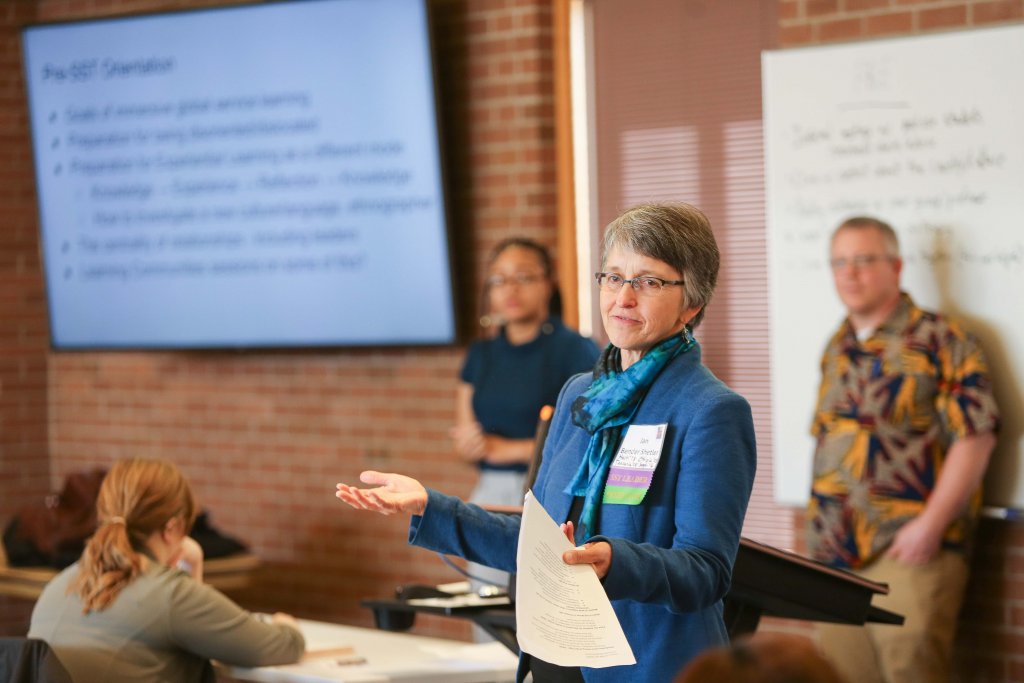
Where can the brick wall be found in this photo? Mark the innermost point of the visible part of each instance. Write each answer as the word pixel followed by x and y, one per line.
pixel 24 452
pixel 806 22
pixel 990 640
pixel 264 436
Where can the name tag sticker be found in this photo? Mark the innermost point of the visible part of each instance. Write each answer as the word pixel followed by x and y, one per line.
pixel 633 468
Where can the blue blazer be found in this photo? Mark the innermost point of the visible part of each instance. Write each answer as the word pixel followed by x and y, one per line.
pixel 672 555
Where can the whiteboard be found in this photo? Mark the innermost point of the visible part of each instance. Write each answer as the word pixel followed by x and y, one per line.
pixel 926 133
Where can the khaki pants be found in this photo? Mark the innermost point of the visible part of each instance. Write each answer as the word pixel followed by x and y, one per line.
pixel 919 651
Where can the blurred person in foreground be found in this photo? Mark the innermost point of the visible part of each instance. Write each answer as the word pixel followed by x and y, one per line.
pixel 663 535
pixel 905 423
pixel 508 378
pixel 762 658
pixel 126 612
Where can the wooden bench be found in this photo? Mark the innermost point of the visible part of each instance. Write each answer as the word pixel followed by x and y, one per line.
pixel 223 573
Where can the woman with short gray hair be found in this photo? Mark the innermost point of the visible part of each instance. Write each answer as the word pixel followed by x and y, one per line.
pixel 661 524
pixel 678 234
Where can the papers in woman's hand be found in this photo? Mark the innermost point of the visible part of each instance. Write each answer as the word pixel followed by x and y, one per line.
pixel 563 615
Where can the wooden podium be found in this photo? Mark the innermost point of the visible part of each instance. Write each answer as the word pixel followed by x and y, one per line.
pixel 773 582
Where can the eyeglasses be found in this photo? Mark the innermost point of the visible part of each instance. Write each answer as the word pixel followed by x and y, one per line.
pixel 642 284
pixel 859 261
pixel 518 279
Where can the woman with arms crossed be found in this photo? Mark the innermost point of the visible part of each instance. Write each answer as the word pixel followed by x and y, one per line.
pixel 507 379
pixel 663 548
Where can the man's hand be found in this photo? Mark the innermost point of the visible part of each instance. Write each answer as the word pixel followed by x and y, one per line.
pixel 915 543
pixel 920 539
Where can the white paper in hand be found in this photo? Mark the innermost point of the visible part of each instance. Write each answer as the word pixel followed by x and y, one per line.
pixel 563 615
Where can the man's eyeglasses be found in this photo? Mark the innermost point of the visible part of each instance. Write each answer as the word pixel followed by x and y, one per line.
pixel 519 279
pixel 859 261
pixel 642 284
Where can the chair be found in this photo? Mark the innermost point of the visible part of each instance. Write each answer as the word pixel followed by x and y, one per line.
pixel 543 425
pixel 29 660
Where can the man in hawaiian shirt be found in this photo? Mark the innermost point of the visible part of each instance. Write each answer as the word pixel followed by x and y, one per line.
pixel 905 424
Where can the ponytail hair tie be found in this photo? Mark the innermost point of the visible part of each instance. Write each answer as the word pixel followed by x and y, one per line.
pixel 116 520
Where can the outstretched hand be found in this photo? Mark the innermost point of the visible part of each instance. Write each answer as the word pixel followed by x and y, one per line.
pixel 393 493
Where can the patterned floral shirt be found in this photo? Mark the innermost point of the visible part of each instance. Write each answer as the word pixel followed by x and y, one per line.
pixel 888 409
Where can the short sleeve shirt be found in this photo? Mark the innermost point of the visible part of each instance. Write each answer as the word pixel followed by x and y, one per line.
pixel 888 410
pixel 511 383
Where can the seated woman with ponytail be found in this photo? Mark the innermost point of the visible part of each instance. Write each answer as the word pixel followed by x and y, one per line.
pixel 126 612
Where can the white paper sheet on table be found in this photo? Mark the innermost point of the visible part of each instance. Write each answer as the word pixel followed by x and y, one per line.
pixel 467 600
pixel 563 615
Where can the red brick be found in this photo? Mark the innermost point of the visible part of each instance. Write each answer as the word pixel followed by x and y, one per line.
pixel 840 29
pixel 942 17
pixel 897 22
pixel 476 26
pixel 790 9
pixel 539 20
pixel 851 6
pixel 502 23
pixel 817 8
pixel 996 11
pixel 792 36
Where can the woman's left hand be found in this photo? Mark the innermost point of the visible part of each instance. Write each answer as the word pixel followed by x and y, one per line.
pixel 597 555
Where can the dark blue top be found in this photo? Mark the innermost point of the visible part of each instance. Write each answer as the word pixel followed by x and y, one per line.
pixel 511 383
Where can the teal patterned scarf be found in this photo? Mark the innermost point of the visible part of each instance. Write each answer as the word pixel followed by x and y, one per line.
pixel 602 410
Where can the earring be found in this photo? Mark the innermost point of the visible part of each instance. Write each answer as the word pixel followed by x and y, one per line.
pixel 491 320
